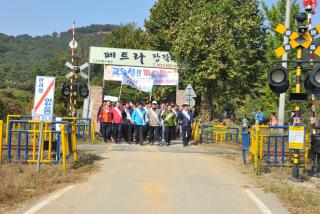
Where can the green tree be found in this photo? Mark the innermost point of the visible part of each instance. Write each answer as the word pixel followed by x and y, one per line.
pixel 266 99
pixel 164 16
pixel 126 36
pixel 220 43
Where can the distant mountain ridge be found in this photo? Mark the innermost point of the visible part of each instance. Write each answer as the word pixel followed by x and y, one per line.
pixel 21 55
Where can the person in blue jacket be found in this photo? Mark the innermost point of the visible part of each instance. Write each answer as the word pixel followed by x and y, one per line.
pixel 186 119
pixel 139 119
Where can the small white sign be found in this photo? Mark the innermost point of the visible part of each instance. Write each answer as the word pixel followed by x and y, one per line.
pixel 189 92
pixel 111 98
pixel 73 44
pixel 296 137
pixel 44 99
pixel 58 125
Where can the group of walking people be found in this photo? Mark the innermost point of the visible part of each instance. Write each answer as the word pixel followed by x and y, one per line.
pixel 160 124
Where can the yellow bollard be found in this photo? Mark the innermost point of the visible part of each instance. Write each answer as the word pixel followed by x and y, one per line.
pixel 93 137
pixel 256 150
pixel 216 136
pixel 7 129
pixel 1 139
pixel 50 145
pixel 74 141
pixel 63 145
pixel 34 144
pixel 261 146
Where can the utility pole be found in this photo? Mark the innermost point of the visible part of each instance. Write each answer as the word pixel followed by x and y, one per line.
pixel 73 45
pixel 282 98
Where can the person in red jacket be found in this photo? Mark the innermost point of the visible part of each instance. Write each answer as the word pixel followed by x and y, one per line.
pixel 118 115
pixel 106 120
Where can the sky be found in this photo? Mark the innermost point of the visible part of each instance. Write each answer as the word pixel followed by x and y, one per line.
pixel 40 17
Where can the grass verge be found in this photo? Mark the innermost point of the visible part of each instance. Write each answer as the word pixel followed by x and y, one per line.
pixel 19 183
pixel 298 198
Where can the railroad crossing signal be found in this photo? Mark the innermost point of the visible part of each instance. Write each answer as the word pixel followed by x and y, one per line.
pixel 76 87
pixel 279 78
pixel 302 38
pixel 77 70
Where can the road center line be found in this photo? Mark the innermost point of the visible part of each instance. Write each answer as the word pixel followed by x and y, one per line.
pixel 263 208
pixel 48 200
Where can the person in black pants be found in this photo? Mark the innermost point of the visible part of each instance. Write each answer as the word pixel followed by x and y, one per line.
pixel 186 119
pixel 153 116
pixel 127 128
pixel 169 119
pixel 146 126
pixel 139 116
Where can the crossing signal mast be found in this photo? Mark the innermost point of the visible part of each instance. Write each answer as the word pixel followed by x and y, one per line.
pixel 278 75
pixel 74 88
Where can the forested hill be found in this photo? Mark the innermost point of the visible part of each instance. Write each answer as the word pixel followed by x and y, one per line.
pixel 22 57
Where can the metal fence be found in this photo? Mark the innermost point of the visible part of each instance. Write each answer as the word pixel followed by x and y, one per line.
pixel 268 145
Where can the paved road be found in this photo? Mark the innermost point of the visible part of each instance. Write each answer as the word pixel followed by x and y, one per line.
pixel 142 180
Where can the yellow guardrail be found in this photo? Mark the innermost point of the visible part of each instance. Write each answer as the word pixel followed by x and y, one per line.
pixel 260 147
pixel 10 117
pixel 196 131
pixel 22 133
pixel 214 133
pixel 65 135
pixel 83 124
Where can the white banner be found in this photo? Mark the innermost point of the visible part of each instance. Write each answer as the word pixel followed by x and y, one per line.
pixel 141 84
pixel 44 99
pixel 159 75
pixel 131 57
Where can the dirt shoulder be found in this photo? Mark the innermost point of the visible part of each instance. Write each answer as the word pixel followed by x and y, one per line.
pixel 20 184
pixel 298 198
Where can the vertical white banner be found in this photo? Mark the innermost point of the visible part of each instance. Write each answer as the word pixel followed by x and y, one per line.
pixel 44 99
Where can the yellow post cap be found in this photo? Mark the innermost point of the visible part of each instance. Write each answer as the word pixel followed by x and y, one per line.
pixel 281 28
pixel 317 51
pixel 294 36
pixel 294 43
pixel 279 51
